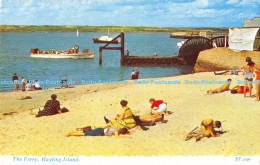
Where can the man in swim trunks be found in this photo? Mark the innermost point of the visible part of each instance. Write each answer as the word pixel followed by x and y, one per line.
pixel 223 88
pixel 206 129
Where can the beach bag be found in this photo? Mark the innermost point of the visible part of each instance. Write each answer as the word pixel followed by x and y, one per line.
pixel 63 110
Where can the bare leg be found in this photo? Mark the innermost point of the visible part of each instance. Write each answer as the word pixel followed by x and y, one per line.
pixel 257 91
pixel 245 86
pixel 75 133
pixel 250 87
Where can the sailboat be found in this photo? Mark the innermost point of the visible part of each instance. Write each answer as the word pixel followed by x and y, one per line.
pixel 77 33
pixel 105 39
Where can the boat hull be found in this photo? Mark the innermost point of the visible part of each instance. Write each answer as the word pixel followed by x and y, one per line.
pixel 96 40
pixel 89 55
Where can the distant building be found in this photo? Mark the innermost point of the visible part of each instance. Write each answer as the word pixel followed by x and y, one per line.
pixel 255 22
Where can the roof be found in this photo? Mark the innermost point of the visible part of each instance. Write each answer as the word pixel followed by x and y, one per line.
pixel 253 23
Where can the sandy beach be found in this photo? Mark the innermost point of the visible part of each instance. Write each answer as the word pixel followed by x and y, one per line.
pixel 24 134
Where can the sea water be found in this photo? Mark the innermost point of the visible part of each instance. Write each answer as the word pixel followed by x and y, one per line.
pixel 15 58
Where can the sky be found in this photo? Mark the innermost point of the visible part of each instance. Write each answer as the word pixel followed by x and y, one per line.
pixel 155 13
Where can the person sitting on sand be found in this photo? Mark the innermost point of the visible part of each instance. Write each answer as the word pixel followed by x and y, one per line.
pixel 125 120
pixel 28 86
pixel 51 107
pixel 159 106
pixel 206 129
pixel 223 88
pixel 106 131
pixel 37 85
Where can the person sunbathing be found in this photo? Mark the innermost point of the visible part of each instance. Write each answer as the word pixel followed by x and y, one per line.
pixel 105 131
pixel 223 88
pixel 238 89
pixel 206 129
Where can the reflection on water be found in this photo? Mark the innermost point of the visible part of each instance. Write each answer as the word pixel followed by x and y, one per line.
pixel 15 50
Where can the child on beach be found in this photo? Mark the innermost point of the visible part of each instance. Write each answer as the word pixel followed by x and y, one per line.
pixel 206 129
pixel 223 88
pixel 158 107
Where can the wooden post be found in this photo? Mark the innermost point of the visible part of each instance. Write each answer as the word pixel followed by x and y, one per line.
pixel 225 41
pixel 100 56
pixel 122 48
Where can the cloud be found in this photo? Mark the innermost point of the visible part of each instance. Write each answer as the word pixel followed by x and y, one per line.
pixel 232 1
pixel 193 13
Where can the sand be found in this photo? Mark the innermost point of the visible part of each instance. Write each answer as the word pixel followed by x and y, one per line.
pixel 23 134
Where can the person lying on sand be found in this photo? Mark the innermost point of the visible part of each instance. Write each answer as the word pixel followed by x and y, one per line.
pixel 223 88
pixel 238 89
pixel 125 120
pixel 51 107
pixel 144 120
pixel 158 107
pixel 206 129
pixel 106 131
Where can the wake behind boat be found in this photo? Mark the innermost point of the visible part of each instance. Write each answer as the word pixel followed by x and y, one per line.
pixel 72 53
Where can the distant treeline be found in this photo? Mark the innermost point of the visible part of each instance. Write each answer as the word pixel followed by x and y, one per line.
pixel 113 29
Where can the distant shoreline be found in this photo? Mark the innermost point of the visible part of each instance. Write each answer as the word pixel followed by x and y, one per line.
pixel 101 29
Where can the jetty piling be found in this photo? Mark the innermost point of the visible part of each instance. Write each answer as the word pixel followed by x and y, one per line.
pixel 121 48
pixel 138 60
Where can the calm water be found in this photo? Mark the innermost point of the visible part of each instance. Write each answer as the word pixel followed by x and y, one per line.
pixel 15 50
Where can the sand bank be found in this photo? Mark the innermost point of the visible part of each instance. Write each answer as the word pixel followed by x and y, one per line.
pixel 23 134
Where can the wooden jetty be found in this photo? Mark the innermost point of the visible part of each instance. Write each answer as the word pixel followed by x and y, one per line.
pixel 152 60
pixel 138 60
